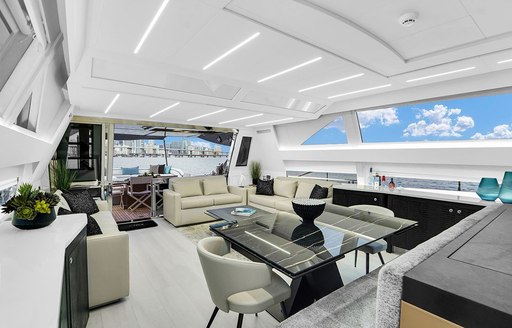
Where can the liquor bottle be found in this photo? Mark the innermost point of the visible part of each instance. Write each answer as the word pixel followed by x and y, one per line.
pixel 370 178
pixel 376 181
pixel 383 179
pixel 391 185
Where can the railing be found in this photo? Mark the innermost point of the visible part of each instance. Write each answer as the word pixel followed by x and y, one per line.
pixel 348 178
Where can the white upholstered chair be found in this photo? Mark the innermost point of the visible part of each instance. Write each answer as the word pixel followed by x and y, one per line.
pixel 240 286
pixel 378 245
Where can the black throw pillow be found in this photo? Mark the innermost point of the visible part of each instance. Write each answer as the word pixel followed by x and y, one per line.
pixel 319 192
pixel 161 169
pixel 265 187
pixel 81 202
pixel 92 226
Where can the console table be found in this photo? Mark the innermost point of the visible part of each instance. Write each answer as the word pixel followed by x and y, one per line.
pixel 43 274
pixel 434 212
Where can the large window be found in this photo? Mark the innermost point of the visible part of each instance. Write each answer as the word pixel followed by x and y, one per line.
pixel 476 118
pixel 333 133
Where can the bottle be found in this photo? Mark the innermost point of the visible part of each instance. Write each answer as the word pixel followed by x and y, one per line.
pixel 376 181
pixel 391 185
pixel 383 181
pixel 370 178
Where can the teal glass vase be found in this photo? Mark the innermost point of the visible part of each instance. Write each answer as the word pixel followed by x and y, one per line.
pixel 505 194
pixel 488 189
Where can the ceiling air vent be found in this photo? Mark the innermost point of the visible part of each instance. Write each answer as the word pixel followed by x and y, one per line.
pixel 263 131
pixel 408 19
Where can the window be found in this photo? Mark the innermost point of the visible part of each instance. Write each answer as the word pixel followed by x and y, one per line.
pixel 331 134
pixel 434 184
pixel 476 118
pixel 24 120
pixel 329 176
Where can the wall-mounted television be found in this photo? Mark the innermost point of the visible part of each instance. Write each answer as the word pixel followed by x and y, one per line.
pixel 243 153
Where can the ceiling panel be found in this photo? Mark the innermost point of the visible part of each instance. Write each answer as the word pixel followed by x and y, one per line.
pixel 491 16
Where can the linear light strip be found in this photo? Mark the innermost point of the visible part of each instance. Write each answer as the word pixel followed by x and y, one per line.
pixel 332 82
pixel 359 91
pixel 201 116
pixel 112 103
pixel 163 110
pixel 440 74
pixel 290 69
pixel 505 61
pixel 267 242
pixel 235 48
pixel 269 122
pixel 151 25
pixel 241 118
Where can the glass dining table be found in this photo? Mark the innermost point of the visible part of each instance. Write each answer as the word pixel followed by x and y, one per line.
pixel 307 252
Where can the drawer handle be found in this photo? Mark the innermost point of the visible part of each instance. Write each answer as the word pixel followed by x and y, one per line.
pixel 459 211
pixel 375 199
pixel 70 260
pixel 450 210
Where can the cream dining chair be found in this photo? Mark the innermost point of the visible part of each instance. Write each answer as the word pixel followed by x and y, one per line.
pixel 378 245
pixel 240 286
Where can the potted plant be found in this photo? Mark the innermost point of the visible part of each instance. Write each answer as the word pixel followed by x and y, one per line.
pixel 62 177
pixel 32 207
pixel 255 170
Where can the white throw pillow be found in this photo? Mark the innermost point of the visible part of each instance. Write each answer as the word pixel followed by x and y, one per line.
pixel 216 185
pixel 188 187
pixel 285 188
pixel 304 190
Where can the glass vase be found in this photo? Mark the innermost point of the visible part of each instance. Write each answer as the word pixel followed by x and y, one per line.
pixel 488 189
pixel 505 194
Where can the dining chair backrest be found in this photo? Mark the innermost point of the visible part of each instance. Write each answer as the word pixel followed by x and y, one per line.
pixel 374 209
pixel 227 276
pixel 140 180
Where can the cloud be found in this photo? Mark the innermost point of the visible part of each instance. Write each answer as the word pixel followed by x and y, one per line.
pixel 503 131
pixel 440 121
pixel 336 124
pixel 384 116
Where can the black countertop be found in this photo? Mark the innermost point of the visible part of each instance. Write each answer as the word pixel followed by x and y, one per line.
pixel 469 281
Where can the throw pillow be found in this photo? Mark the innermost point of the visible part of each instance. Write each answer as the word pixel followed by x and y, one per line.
pixel 265 187
pixel 130 170
pixel 319 192
pixel 285 188
pixel 161 169
pixel 216 185
pixel 93 227
pixel 62 202
pixel 81 202
pixel 153 169
pixel 188 187
pixel 167 169
pixel 304 190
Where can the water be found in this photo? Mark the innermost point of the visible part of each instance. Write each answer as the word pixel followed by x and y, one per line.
pixel 189 165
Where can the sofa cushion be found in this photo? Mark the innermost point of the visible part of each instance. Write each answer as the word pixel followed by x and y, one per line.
pixel 222 199
pixel 196 201
pixel 130 170
pixel 81 202
pixel 285 188
pixel 319 192
pixel 153 169
pixel 106 222
pixel 304 190
pixel 284 205
pixel 264 200
pixel 187 187
pixel 265 187
pixel 215 185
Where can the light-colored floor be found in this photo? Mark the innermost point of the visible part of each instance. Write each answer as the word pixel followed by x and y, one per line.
pixel 168 288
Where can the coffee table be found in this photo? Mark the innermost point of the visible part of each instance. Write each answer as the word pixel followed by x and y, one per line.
pixel 225 213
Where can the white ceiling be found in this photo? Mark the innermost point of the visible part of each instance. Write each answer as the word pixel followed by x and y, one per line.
pixel 352 37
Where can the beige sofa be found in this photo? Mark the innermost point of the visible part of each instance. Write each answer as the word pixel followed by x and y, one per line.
pixel 187 199
pixel 107 258
pixel 286 189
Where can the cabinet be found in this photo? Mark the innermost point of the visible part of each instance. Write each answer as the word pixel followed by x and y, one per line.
pixel 74 311
pixel 433 216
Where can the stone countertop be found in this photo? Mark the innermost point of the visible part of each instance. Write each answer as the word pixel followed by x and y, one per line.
pixel 441 196
pixel 31 271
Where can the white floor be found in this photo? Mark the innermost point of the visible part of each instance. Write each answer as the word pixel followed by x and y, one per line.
pixel 168 288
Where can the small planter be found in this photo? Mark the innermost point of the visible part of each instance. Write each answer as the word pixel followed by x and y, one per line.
pixel 41 220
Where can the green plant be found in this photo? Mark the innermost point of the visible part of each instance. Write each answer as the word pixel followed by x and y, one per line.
pixel 255 169
pixel 62 177
pixel 29 202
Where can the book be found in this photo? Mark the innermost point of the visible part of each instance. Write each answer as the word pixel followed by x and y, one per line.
pixel 243 211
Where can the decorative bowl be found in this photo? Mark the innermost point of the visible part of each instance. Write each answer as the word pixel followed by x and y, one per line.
pixel 41 220
pixel 308 209
pixel 488 189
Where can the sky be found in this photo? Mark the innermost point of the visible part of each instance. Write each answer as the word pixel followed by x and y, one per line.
pixel 476 118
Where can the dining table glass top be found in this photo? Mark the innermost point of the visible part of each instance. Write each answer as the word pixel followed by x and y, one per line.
pixel 295 248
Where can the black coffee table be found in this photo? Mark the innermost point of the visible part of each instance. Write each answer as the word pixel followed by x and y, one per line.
pixel 225 213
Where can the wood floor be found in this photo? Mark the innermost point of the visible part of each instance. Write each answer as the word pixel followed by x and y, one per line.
pixel 168 288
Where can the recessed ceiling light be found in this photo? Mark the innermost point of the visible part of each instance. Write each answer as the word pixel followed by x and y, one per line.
pixel 290 69
pixel 241 118
pixel 440 74
pixel 359 91
pixel 212 113
pixel 151 25
pixel 307 105
pixel 290 103
pixel 270 122
pixel 235 48
pixel 505 61
pixel 112 103
pixel 163 110
pixel 332 82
